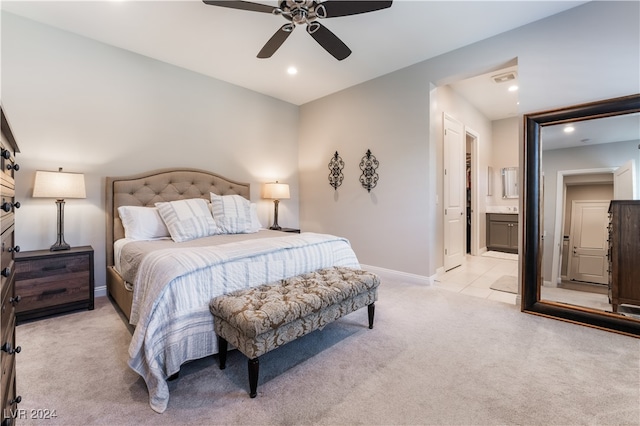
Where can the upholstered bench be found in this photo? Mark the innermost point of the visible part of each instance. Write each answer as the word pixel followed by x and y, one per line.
pixel 260 319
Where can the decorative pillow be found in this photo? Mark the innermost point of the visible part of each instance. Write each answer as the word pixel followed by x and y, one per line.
pixel 142 223
pixel 232 213
pixel 255 222
pixel 187 219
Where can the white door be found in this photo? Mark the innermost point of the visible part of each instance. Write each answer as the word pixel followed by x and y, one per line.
pixel 588 241
pixel 624 182
pixel 454 190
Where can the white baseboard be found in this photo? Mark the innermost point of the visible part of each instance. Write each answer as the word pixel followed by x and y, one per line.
pixel 100 291
pixel 399 275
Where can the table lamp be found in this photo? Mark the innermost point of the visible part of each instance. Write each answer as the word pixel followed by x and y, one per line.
pixel 276 191
pixel 59 185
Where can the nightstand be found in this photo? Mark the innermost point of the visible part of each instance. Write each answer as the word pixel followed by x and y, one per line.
pixel 52 282
pixel 292 230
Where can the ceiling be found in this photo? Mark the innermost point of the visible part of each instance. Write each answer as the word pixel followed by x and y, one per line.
pixel 619 128
pixel 223 42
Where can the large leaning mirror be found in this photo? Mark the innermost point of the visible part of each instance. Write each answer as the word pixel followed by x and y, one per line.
pixel 581 216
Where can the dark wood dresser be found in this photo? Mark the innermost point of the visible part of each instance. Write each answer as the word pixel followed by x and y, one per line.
pixel 9 350
pixel 53 282
pixel 624 253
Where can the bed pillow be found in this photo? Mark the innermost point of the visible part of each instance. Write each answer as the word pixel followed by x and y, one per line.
pixel 142 223
pixel 187 219
pixel 255 222
pixel 232 213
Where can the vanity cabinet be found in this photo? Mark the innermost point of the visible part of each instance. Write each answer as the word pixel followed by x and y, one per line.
pixel 624 253
pixel 502 232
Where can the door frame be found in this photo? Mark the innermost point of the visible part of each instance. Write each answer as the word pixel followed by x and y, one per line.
pixel 561 192
pixel 475 191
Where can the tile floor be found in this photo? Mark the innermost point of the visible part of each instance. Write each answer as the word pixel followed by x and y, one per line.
pixel 475 276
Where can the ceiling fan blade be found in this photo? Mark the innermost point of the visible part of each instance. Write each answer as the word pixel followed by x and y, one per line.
pixel 242 5
pixel 328 40
pixel 334 8
pixel 276 41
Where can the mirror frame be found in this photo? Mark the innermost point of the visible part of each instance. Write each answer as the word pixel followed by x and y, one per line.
pixel 532 219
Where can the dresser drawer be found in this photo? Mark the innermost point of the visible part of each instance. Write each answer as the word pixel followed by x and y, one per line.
pixel 53 282
pixel 7 359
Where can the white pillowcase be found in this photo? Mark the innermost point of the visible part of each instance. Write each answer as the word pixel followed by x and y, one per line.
pixel 255 222
pixel 232 213
pixel 142 223
pixel 187 219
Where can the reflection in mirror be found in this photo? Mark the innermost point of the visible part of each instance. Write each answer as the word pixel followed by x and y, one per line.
pixel 577 162
pixel 509 182
pixel 593 162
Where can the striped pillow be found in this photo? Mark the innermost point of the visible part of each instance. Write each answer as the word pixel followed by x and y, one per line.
pixel 187 219
pixel 232 213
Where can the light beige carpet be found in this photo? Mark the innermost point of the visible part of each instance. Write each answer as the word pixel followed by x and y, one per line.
pixel 506 283
pixel 434 357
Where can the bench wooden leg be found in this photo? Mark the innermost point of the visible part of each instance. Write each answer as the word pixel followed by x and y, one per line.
pixel 222 352
pixel 254 367
pixel 372 310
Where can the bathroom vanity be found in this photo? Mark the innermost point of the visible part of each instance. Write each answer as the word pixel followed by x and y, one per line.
pixel 502 232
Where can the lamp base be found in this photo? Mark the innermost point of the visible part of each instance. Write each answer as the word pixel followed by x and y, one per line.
pixel 275 225
pixel 60 246
pixel 60 243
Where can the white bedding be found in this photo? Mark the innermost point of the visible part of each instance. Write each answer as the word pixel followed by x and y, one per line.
pixel 173 287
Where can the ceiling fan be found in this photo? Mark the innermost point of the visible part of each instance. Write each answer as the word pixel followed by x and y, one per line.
pixel 307 12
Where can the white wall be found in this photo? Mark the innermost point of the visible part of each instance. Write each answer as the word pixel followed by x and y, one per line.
pixel 399 225
pixel 102 111
pixel 506 135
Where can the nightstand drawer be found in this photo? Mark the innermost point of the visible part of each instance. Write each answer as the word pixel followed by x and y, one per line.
pixel 53 282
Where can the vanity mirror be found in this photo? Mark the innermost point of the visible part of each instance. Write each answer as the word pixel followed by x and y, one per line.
pixel 598 151
pixel 509 182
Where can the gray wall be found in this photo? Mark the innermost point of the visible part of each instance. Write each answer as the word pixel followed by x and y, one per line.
pixel 399 225
pixel 103 111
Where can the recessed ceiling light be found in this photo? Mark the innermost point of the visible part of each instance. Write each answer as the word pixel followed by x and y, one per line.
pixel 569 129
pixel 513 88
pixel 292 71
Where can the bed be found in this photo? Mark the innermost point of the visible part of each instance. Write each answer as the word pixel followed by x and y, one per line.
pixel 176 238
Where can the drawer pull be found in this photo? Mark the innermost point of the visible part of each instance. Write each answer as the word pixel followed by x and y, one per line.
pixel 8 206
pixel 17 400
pixel 52 292
pixel 15 167
pixel 8 349
pixel 6 154
pixel 5 272
pixel 54 267
pixel 15 300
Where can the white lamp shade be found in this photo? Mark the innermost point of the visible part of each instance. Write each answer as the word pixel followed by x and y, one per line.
pixel 276 191
pixel 59 185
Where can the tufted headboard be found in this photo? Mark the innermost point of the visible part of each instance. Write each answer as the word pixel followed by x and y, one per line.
pixel 146 189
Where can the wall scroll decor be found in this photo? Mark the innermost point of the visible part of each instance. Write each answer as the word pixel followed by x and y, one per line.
pixel 336 165
pixel 369 164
